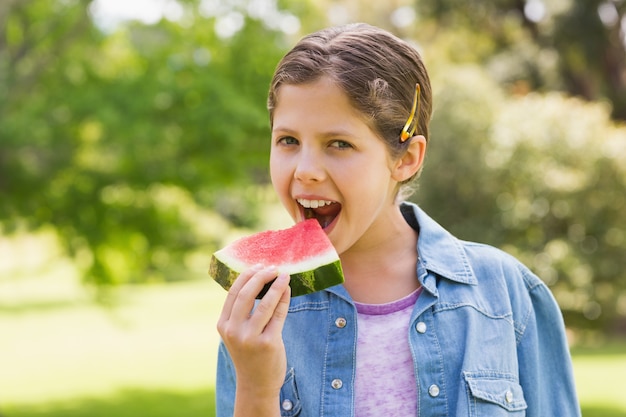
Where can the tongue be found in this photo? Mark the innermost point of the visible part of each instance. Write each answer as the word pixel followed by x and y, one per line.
pixel 324 215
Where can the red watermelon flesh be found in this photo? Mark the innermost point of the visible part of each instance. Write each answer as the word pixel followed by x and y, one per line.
pixel 303 251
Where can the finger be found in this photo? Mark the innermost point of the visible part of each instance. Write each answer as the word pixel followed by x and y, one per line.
pixel 277 321
pixel 267 306
pixel 233 291
pixel 246 297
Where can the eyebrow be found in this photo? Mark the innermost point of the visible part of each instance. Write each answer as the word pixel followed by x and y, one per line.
pixel 330 133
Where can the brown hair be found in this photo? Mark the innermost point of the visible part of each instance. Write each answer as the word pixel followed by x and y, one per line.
pixel 377 71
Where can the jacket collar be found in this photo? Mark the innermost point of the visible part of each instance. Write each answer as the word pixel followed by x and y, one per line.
pixel 438 250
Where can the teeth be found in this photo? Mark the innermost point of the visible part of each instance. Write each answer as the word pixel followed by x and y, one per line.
pixel 314 203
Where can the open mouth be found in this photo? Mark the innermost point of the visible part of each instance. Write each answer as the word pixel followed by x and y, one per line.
pixel 324 211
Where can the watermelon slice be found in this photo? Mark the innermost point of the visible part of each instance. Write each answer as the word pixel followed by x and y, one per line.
pixel 303 251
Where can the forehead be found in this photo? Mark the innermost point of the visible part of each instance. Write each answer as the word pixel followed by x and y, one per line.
pixel 320 101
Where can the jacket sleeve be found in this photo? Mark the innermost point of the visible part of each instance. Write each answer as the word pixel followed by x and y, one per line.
pixel 224 384
pixel 545 365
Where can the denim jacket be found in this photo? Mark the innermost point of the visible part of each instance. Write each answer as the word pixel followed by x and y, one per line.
pixel 486 335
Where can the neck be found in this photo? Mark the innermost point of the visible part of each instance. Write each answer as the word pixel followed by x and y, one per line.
pixel 386 270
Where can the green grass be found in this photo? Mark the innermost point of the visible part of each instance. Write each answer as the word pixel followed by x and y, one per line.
pixel 154 356
pixel 599 376
pixel 124 403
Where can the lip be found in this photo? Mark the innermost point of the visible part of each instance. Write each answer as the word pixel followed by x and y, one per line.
pixel 312 197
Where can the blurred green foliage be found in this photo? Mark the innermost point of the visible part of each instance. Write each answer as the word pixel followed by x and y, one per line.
pixel 127 140
pixel 576 46
pixel 113 138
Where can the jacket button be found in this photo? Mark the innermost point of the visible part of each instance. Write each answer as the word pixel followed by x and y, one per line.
pixel 287 405
pixel 433 390
pixel 336 383
pixel 508 396
pixel 421 327
pixel 341 322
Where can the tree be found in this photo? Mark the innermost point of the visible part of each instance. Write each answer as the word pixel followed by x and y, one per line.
pixel 123 141
pixel 577 46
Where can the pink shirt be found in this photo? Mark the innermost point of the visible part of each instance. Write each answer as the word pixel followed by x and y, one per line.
pixel 385 378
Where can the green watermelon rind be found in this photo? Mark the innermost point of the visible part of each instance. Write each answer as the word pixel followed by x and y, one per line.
pixel 306 278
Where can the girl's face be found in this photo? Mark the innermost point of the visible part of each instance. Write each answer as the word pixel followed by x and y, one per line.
pixel 327 163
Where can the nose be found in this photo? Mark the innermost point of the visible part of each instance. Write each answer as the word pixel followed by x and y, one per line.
pixel 309 167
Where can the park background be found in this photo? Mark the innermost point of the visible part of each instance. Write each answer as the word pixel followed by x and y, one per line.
pixel 134 143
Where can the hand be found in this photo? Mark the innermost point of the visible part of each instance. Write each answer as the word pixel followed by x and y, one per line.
pixel 254 338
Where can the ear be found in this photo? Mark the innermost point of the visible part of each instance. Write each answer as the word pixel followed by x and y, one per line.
pixel 412 160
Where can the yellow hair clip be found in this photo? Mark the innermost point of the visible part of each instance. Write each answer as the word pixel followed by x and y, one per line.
pixel 406 133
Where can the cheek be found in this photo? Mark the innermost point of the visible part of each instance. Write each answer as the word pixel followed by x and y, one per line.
pixel 273 165
pixel 279 175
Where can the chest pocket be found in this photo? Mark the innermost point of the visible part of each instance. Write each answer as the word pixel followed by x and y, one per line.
pixel 494 394
pixel 290 405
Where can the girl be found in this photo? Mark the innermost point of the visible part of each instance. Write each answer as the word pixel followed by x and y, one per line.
pixel 425 324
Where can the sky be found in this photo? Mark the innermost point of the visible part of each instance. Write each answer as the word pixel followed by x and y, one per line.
pixel 108 14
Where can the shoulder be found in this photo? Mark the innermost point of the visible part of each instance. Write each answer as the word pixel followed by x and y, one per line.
pixel 505 283
pixel 489 261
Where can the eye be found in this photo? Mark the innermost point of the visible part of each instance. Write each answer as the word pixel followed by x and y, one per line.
pixel 341 144
pixel 287 140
